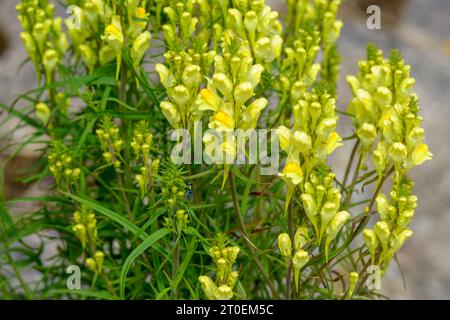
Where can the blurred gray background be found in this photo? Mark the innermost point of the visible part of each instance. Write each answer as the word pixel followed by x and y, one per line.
pixel 421 31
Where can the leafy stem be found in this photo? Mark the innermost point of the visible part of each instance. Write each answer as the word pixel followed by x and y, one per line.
pixel 251 247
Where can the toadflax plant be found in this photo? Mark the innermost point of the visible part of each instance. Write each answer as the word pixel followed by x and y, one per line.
pixel 158 122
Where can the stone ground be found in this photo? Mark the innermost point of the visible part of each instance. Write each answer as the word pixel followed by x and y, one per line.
pixel 421 31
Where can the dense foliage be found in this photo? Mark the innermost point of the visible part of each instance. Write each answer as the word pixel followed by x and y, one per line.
pixel 116 76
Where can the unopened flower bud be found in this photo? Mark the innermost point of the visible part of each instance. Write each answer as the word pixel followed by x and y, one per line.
pixel 224 292
pixel 232 279
pixel 367 133
pixel 89 56
pixel 50 60
pixel 99 257
pixel 397 241
pixel 276 44
pixel 263 50
pixel 243 92
pixel 251 21
pixel 254 75
pixel 404 219
pixel 251 114
pixel 91 264
pixel 171 114
pixel 371 241
pixel 300 259
pixel 302 141
pixel 300 238
pixel 223 84
pixel 107 156
pixel 285 244
pixel 284 136
pixel 382 231
pixel 140 45
pixel 353 280
pixel 180 95
pixel 192 76
pixel 208 286
pixel 77 217
pixel 215 253
pixel 43 112
pixel 166 77
pixel 310 208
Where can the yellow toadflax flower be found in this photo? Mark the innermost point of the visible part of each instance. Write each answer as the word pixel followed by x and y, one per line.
pixel 114 38
pixel 139 47
pixel 224 257
pixel 229 96
pixel 113 33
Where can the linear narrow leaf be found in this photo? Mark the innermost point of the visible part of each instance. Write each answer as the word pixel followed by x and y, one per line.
pixel 111 215
pixel 147 243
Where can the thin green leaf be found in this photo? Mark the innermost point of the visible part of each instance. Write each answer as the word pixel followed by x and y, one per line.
pixel 111 215
pixel 147 243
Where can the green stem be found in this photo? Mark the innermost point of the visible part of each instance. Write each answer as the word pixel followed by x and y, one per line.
pixel 251 247
pixel 125 137
pixel 362 223
pixel 121 185
pixel 355 178
pixel 291 221
pixel 175 266
pixel 291 235
pixel 349 164
pixel 27 291
pixel 364 220
pixel 288 282
pixel 103 274
pixel 258 190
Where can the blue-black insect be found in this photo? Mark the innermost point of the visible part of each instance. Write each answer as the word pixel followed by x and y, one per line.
pixel 189 193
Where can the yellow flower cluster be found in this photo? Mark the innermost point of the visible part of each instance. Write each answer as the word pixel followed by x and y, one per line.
pixel 390 233
pixel 182 78
pixel 300 257
pixel 182 24
pixel 189 24
pixel 173 186
pixel 308 144
pixel 83 27
pixel 43 38
pixel 310 37
pixel 85 228
pixel 226 278
pixel 388 126
pixel 259 28
pixel 312 138
pixel 112 144
pixel 141 145
pixel 385 109
pixel 299 66
pixel 229 96
pixel 61 166
pixel 321 202
pixel 93 17
pixel 188 60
